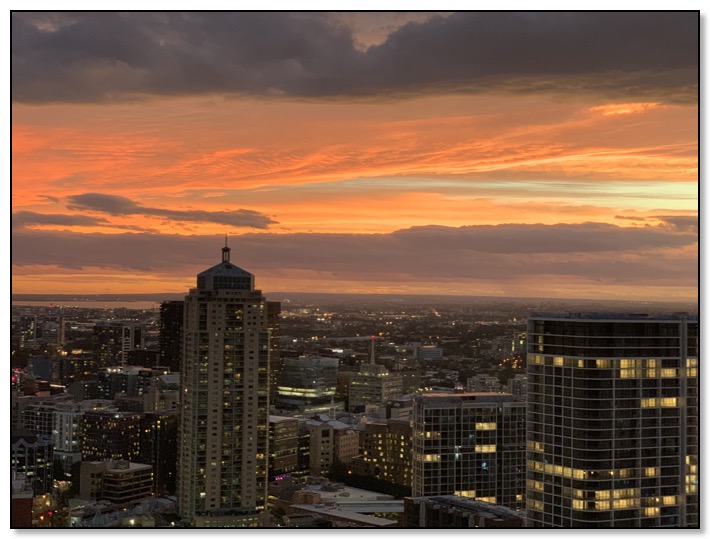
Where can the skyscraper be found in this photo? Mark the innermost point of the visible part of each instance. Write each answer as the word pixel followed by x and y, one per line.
pixel 224 426
pixel 612 420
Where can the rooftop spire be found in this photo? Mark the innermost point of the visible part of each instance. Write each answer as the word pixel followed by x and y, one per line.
pixel 225 250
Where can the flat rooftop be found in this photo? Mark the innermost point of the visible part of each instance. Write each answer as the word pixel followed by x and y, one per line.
pixel 614 316
pixel 347 494
pixel 338 514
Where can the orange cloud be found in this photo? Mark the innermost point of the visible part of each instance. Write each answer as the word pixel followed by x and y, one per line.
pixel 615 109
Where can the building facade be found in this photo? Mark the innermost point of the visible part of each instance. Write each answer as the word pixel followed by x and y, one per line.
pixel 373 384
pixel 387 451
pixel 612 420
pixel 110 435
pixel 470 445
pixel 32 457
pixel 283 447
pixel 305 382
pixel 117 482
pixel 113 340
pixel 171 315
pixel 224 426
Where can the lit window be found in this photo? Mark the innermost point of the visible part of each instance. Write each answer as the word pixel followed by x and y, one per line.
pixel 603 363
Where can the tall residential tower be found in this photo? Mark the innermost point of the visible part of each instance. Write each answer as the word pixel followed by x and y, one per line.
pixel 224 427
pixel 612 420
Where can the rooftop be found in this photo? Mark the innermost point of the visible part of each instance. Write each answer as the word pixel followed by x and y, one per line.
pixel 338 514
pixel 613 316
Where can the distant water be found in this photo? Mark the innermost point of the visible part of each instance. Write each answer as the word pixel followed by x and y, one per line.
pixel 137 305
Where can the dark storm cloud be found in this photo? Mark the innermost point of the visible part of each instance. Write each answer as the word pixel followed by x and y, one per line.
pixel 113 56
pixel 118 205
pixel 506 252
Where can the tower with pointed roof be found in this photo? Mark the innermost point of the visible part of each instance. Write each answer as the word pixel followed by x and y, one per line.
pixel 223 440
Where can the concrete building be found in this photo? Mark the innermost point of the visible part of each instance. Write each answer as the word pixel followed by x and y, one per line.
pixel 518 387
pixel 110 435
pixel 373 384
pixel 484 383
pixel 330 441
pixel 37 414
pixel 21 501
pixel 118 482
pixel 28 331
pixel 129 380
pixel 112 341
pixel 224 428
pixel 68 429
pixel 32 457
pixel 387 451
pixel 612 420
pixel 163 395
pixel 471 445
pixel 283 447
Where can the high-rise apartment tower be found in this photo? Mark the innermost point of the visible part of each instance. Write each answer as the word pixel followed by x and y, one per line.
pixel 224 427
pixel 612 420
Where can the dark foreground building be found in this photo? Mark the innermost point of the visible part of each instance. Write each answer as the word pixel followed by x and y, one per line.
pixel 612 430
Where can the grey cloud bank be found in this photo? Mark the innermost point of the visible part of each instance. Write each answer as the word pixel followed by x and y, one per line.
pixel 590 251
pixel 118 205
pixel 103 57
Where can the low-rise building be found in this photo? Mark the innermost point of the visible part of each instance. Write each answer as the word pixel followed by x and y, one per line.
pixel 116 481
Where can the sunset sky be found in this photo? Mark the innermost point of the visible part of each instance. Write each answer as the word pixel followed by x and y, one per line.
pixel 508 154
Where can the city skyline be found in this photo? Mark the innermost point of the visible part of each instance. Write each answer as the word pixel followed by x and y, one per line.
pixel 511 154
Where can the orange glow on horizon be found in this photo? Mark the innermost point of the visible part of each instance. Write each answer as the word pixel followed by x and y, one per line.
pixel 368 168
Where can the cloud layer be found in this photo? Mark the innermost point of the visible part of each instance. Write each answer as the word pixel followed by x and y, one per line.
pixel 99 57
pixel 123 206
pixel 498 254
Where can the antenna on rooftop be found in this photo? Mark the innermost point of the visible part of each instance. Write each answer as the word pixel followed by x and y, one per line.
pixel 225 250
